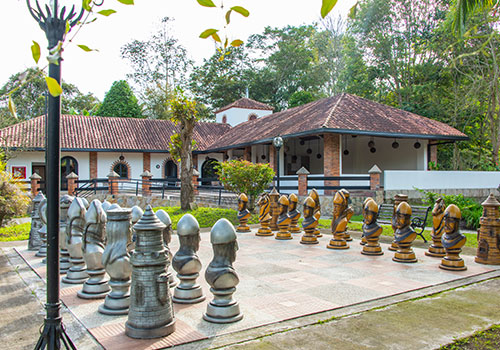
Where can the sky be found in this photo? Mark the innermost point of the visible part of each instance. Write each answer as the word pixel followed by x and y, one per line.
pixel 96 71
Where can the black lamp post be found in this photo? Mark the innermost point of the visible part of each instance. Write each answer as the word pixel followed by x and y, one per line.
pixel 54 24
pixel 278 143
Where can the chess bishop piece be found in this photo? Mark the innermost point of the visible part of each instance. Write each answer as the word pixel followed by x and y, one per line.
pixel 309 223
pixel 283 220
pixel 35 240
pixel 221 276
pixel 371 229
pixel 398 199
pixel 243 213
pixel 163 216
pixel 264 204
pixel 64 204
pixel 293 213
pixel 452 240
pixel 436 249
pixel 339 222
pixel 274 197
pixel 317 210
pixel 363 239
pixel 404 235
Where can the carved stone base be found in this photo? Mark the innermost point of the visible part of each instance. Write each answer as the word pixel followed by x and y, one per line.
pixel 338 242
pixel 437 252
pixel 96 287
pixel 452 261
pixel 295 229
pixel 188 291
pixel 77 274
pixel 117 301
pixel 149 333
pixel 347 237
pixel 243 228
pixel 363 240
pixel 283 234
pixel 394 246
pixel 405 254
pixel 318 233
pixel 64 263
pixel 264 229
pixel 309 237
pixel 372 247
pixel 223 308
pixel 42 252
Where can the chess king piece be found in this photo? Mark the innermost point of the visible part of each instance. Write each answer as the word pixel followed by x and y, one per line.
pixel 349 213
pixel 405 235
pixel 436 249
pixel 243 213
pixel 264 204
pixel 293 213
pixel 77 273
pixel 186 262
pixel 35 241
pixel 309 223
pixel 283 220
pixel 317 210
pixel 398 199
pixel 221 276
pixel 64 204
pixel 116 261
pixel 363 239
pixel 371 229
pixel 151 313
pixel 339 222
pixel 488 248
pixel 163 216
pixel 274 196
pixel 96 287
pixel 452 240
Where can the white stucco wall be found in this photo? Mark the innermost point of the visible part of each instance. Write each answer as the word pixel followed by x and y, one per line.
pixel 106 159
pixel 239 115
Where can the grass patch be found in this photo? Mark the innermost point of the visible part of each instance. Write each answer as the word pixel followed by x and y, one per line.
pixel 484 340
pixel 15 232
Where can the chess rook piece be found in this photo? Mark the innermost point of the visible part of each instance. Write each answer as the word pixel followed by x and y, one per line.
pixel 349 213
pixel 264 204
pixel 452 240
pixel 77 273
pixel 488 248
pixel 436 249
pixel 283 220
pixel 221 276
pixel 116 261
pixel 151 313
pixel 293 213
pixel 371 229
pixel 317 210
pixel 398 199
pixel 339 222
pixel 186 262
pixel 64 204
pixel 363 239
pixel 404 235
pixel 243 213
pixel 274 196
pixel 163 216
pixel 96 287
pixel 35 241
pixel 309 223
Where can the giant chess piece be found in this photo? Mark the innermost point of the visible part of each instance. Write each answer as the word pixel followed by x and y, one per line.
pixel 137 214
pixel 186 262
pixel 163 216
pixel 77 273
pixel 317 210
pixel 35 241
pixel 293 213
pixel 488 240
pixel 96 287
pixel 436 249
pixel 404 235
pixel 371 229
pixel 264 204
pixel 116 260
pixel 452 240
pixel 398 199
pixel 243 213
pixel 284 220
pixel 151 313
pixel 339 222
pixel 309 223
pixel 64 204
pixel 274 197
pixel 363 239
pixel 106 205
pixel 221 276
pixel 42 232
pixel 349 213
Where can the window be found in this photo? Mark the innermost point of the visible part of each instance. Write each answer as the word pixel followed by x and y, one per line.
pixel 252 116
pixel 68 165
pixel 122 170
pixel 224 119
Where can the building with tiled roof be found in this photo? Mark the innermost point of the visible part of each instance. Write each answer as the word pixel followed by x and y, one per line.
pixel 242 110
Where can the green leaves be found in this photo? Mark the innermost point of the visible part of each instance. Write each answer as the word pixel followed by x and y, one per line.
pixel 236 43
pixel 35 51
pixel 54 87
pixel 241 10
pixel 86 5
pixel 206 3
pixel 12 107
pixel 86 48
pixel 208 32
pixel 126 2
pixel 106 12
pixel 327 6
pixel 353 11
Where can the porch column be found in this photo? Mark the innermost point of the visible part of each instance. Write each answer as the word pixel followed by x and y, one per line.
pixel 72 178
pixel 374 177
pixel 433 154
pixel 302 173
pixel 331 162
pixel 146 162
pixel 272 157
pixel 113 182
pixel 196 173
pixel 195 161
pixel 93 165
pixel 35 183
pixel 248 153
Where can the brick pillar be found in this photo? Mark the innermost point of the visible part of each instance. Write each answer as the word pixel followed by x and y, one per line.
pixel 331 162
pixel 433 153
pixel 302 173
pixel 272 157
pixel 93 165
pixel 146 183
pixel 195 181
pixel 72 178
pixel 248 153
pixel 374 177
pixel 146 161
pixel 113 182
pixel 35 183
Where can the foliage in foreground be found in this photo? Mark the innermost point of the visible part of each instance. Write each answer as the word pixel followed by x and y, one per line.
pixel 13 200
pixel 482 340
pixel 15 233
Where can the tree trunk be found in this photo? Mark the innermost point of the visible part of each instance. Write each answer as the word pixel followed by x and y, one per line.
pixel 186 135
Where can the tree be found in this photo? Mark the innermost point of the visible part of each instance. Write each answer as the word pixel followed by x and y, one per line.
pixel 120 101
pixel 13 200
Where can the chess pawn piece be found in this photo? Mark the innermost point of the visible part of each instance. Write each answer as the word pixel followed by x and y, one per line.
pixel 309 223
pixel 274 196
pixel 264 204
pixel 488 239
pixel 283 220
pixel 317 210
pixel 293 213
pixel 116 261
pixel 186 262
pixel 398 199
pixel 404 235
pixel 363 239
pixel 151 313
pixel 137 213
pixel 436 249
pixel 243 213
pixel 64 204
pixel 35 241
pixel 339 222
pixel 349 214
pixel 221 275
pixel 163 216
pixel 452 240
pixel 96 287
pixel 371 229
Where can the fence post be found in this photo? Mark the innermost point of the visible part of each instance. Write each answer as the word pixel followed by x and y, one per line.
pixel 302 173
pixel 35 183
pixel 113 182
pixel 146 183
pixel 374 177
pixel 72 178
pixel 196 173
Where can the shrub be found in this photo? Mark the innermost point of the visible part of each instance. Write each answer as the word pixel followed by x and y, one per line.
pixel 13 200
pixel 15 233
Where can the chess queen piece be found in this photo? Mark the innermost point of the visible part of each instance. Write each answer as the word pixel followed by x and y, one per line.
pixel 221 276
pixel 404 235
pixel 243 213
pixel 96 287
pixel 371 229
pixel 274 196
pixel 77 273
pixel 398 199
pixel 488 247
pixel 349 213
pixel 163 216
pixel 116 261
pixel 35 241
pixel 186 262
pixel 264 204
pixel 309 223
pixel 452 240
pixel 284 220
pixel 363 239
pixel 436 249
pixel 317 210
pixel 64 204
pixel 293 213
pixel 339 222
pixel 151 313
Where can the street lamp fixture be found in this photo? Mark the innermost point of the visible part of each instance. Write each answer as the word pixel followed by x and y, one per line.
pixel 278 143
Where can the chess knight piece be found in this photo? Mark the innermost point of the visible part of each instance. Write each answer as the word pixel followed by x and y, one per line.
pixel 35 241
pixel 452 240
pixel 371 229
pixel 64 204
pixel 349 213
pixel 488 248
pixel 96 287
pixel 309 223
pixel 186 262
pixel 283 220
pixel 221 275
pixel 274 196
pixel 317 210
pixel 264 204
pixel 363 239
pixel 243 213
pixel 398 199
pixel 404 235
pixel 106 205
pixel 151 313
pixel 116 260
pixel 163 216
pixel 293 213
pixel 436 249
pixel 339 222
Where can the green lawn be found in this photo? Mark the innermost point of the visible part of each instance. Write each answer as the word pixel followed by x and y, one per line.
pixel 15 232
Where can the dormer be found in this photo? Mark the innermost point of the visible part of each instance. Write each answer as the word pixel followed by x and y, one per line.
pixel 241 111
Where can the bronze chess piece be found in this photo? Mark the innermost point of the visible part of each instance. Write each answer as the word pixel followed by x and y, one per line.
pixel 452 240
pixel 309 223
pixel 317 210
pixel 363 239
pixel 283 220
pixel 371 229
pixel 488 248
pixel 398 199
pixel 339 222
pixel 293 213
pixel 349 214
pixel 274 196
pixel 436 249
pixel 404 235
pixel 264 204
pixel 243 213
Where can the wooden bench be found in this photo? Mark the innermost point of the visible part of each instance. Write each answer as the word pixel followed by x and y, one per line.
pixel 418 217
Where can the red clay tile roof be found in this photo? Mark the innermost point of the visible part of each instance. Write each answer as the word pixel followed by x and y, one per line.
pixel 246 103
pixel 344 113
pixel 106 133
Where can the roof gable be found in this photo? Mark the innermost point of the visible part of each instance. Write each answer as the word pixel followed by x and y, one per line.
pixel 246 103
